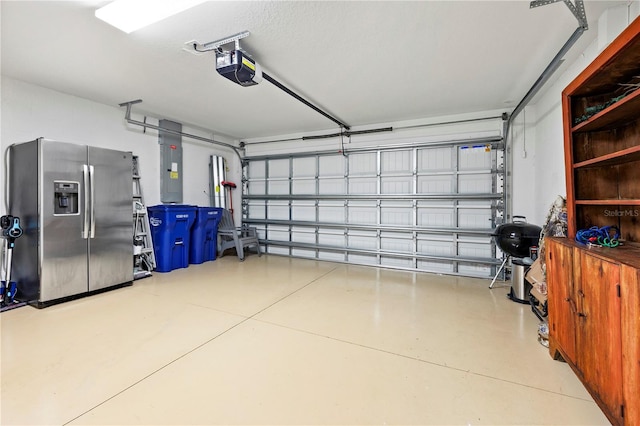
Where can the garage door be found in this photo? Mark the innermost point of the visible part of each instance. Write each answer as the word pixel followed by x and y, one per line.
pixel 428 205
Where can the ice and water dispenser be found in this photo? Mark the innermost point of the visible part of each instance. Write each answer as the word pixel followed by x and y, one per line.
pixel 65 198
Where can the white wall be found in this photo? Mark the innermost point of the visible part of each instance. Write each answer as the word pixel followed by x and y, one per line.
pixel 29 112
pixel 546 122
pixel 522 138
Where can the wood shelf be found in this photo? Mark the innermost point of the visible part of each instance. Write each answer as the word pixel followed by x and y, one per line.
pixel 616 115
pixel 625 156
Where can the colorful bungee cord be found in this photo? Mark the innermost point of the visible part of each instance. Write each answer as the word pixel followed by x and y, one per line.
pixel 599 236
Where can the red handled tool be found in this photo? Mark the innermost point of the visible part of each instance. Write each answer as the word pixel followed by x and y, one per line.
pixel 229 186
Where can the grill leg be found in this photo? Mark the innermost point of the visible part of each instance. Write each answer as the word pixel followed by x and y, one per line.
pixel 504 262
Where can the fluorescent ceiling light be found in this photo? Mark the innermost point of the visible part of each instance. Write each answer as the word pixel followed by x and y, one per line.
pixel 131 15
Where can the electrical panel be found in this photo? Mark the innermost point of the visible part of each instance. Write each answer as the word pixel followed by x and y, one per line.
pixel 170 162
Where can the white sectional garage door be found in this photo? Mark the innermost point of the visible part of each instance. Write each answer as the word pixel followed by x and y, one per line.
pixel 428 206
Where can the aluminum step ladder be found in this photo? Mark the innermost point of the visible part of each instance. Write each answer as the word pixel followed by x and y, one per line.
pixel 144 259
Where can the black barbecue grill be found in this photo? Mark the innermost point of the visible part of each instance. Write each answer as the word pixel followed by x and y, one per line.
pixel 516 239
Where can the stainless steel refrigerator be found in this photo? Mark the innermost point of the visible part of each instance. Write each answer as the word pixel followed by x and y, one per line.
pixel 75 205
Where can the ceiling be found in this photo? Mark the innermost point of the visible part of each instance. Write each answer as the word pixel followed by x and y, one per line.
pixel 363 62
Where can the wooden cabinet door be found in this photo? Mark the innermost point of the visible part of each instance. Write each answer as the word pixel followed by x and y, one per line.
pixel 598 337
pixel 561 300
pixel 630 299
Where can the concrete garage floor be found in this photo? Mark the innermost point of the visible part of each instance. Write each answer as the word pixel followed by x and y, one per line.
pixel 274 340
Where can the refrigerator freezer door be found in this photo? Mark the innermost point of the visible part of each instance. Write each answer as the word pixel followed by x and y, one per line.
pixel 64 251
pixel 111 230
pixel 24 199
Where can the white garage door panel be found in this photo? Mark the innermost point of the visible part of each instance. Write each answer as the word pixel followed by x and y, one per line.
pixel 363 164
pixel 475 183
pixel 442 267
pixel 396 162
pixel 284 251
pixel 258 170
pixel 396 213
pixel 362 259
pixel 332 185
pixel 362 212
pixel 278 210
pixel 331 212
pixel 257 187
pixel 398 243
pixel 331 237
pixel 438 248
pixel 303 210
pixel 299 252
pixel 396 185
pixel 304 186
pixel 332 165
pixel 280 233
pixel 256 209
pixel 475 270
pixel 475 159
pixel 278 187
pixel 363 240
pixel 331 256
pixel 435 159
pixel 397 262
pixel 474 217
pixel 304 167
pixel 367 186
pixel 425 207
pixel 278 168
pixel 303 235
pixel 474 249
pixel 438 216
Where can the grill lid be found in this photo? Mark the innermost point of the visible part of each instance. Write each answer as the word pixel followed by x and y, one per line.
pixel 516 238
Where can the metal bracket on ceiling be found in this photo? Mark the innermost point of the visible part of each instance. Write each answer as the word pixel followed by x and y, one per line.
pixel 577 9
pixel 215 45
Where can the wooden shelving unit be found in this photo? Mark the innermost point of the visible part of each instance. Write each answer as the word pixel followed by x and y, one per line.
pixel 620 157
pixel 602 152
pixel 594 293
pixel 612 117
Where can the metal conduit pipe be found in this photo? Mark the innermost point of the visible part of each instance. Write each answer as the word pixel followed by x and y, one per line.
pixel 127 117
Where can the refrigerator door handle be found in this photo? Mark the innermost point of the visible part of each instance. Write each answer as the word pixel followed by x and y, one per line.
pixel 85 181
pixel 92 231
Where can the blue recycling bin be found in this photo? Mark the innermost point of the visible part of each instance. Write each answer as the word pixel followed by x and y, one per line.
pixel 204 235
pixel 171 232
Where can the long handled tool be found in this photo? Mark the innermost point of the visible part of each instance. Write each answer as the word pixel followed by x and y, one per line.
pixel 228 187
pixel 11 231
